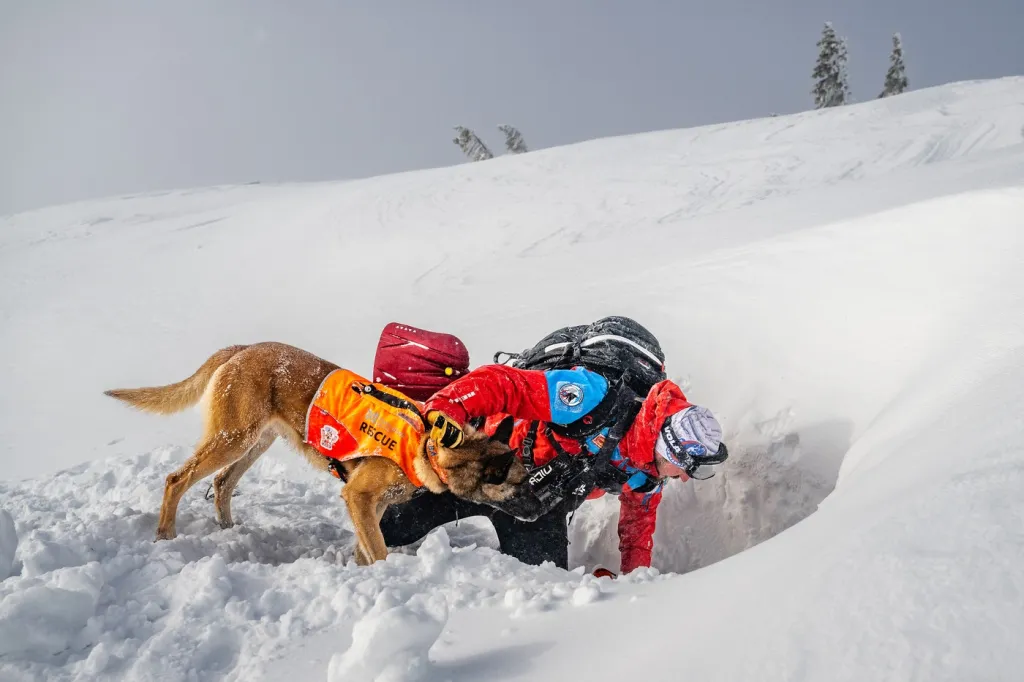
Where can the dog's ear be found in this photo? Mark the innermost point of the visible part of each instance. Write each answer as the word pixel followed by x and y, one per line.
pixel 503 434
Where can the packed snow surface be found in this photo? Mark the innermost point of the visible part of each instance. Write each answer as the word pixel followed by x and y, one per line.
pixel 844 288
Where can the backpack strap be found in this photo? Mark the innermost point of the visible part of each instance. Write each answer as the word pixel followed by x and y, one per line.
pixel 392 400
pixel 508 357
pixel 338 471
pixel 526 447
pixel 556 446
pixel 574 476
pixel 627 406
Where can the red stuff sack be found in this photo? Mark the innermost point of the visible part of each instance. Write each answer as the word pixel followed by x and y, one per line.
pixel 418 362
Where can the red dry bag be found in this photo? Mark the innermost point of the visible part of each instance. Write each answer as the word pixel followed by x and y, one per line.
pixel 418 362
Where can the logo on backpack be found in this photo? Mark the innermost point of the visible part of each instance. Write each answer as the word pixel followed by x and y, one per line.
pixel 571 395
pixel 541 474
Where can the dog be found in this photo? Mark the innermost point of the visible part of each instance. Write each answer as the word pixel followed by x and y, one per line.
pixel 252 394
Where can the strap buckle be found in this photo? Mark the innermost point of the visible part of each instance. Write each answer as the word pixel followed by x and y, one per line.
pixel 338 471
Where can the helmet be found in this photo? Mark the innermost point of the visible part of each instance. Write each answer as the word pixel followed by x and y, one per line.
pixel 691 439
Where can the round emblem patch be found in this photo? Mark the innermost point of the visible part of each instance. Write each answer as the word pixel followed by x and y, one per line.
pixel 328 436
pixel 571 395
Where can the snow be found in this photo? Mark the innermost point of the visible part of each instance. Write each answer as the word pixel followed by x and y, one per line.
pixel 392 642
pixel 842 288
pixel 98 598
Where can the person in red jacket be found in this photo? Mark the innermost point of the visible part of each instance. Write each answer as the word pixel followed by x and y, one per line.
pixel 668 438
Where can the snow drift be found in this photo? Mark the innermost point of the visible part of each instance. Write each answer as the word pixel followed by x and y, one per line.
pixel 843 288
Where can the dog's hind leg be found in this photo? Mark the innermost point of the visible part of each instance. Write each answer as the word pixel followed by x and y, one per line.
pixel 225 481
pixel 218 450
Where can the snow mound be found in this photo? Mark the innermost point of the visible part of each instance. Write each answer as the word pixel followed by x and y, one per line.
pixel 38 621
pixel 391 642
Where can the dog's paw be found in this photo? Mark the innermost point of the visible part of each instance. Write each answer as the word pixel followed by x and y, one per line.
pixel 165 535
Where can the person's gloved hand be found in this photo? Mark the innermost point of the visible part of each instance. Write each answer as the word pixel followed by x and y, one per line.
pixel 444 430
pixel 602 572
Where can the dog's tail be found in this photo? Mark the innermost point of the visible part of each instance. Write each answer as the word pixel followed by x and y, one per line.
pixel 175 397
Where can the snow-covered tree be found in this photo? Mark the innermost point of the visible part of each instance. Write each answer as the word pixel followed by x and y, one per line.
pixel 514 142
pixel 844 75
pixel 471 145
pixel 896 77
pixel 831 85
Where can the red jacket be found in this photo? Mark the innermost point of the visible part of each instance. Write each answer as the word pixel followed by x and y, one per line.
pixel 496 390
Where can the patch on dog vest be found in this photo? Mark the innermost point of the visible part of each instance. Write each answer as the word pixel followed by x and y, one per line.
pixel 345 422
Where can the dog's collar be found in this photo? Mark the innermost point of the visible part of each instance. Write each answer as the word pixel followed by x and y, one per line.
pixel 432 459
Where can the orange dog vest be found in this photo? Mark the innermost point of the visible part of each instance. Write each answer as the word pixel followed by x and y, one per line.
pixel 351 417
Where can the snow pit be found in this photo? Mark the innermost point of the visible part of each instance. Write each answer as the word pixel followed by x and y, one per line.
pixel 763 489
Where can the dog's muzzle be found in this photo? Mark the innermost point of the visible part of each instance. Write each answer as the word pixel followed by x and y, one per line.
pixel 524 505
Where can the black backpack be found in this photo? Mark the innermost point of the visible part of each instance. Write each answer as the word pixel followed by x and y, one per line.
pixel 618 348
pixel 626 354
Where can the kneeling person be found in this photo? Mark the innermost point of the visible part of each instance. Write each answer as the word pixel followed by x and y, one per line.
pixel 665 437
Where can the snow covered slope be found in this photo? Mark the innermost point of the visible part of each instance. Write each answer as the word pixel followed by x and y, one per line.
pixel 844 288
pixel 139 289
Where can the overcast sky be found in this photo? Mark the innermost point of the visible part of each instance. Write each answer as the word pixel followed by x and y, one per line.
pixel 101 98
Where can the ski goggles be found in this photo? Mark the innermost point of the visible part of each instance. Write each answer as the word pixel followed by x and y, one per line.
pixel 692 456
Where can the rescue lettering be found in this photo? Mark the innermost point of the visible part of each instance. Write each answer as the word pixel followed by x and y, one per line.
pixel 379 436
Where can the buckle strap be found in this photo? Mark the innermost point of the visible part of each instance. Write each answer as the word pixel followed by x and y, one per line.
pixel 389 399
pixel 627 407
pixel 338 471
pixel 526 447
pixel 557 447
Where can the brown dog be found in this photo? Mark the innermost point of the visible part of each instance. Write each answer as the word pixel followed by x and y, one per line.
pixel 253 394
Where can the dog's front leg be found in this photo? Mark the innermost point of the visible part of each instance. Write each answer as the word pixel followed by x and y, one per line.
pixel 360 555
pixel 362 509
pixel 363 494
